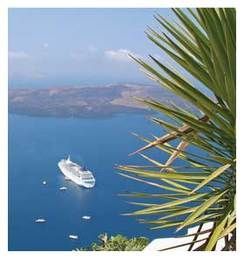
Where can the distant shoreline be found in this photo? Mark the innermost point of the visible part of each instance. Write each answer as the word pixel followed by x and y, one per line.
pixel 86 102
pixel 95 117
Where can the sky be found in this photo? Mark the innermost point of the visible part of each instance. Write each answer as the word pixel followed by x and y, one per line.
pixel 75 47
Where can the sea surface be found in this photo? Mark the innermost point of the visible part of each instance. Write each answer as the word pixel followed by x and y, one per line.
pixel 35 147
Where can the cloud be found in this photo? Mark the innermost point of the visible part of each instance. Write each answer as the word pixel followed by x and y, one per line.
pixel 24 66
pixel 18 55
pixel 86 53
pixel 93 54
pixel 93 49
pixel 118 55
pixel 45 45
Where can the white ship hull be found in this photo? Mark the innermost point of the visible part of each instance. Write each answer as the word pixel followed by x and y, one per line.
pixel 76 174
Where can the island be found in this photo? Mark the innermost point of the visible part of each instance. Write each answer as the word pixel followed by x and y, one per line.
pixel 88 101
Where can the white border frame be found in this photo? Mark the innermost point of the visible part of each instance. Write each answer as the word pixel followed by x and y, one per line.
pixel 4 5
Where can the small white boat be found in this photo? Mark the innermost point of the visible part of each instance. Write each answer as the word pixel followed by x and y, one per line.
pixel 40 220
pixel 86 217
pixel 73 237
pixel 63 188
pixel 44 182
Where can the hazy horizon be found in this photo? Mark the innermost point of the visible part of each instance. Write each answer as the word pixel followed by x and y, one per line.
pixel 58 47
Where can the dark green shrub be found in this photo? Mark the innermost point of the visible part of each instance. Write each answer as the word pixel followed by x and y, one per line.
pixel 117 243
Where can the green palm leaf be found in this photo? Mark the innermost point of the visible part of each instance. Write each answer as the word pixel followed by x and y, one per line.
pixel 201 210
pixel 211 177
pixel 202 45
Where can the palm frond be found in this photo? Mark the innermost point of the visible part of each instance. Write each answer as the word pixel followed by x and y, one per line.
pixel 202 45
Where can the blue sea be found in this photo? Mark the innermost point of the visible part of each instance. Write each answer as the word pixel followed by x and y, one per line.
pixel 35 147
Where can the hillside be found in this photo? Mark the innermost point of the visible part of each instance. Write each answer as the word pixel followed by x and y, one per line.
pixel 85 102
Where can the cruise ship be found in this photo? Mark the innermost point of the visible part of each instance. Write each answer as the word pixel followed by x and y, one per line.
pixel 76 173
